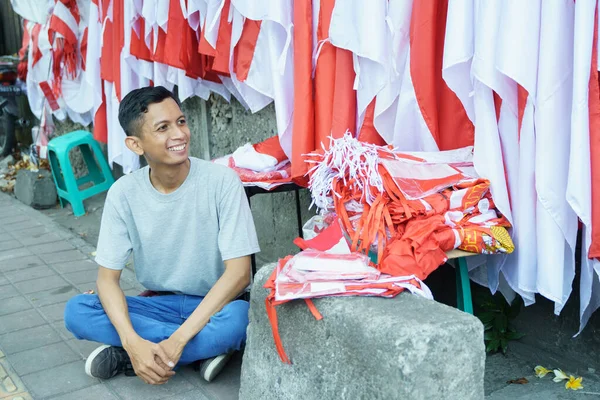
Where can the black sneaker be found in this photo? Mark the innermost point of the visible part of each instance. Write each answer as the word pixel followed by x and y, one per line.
pixel 211 367
pixel 107 361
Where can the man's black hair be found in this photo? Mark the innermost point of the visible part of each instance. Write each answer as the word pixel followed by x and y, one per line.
pixel 135 105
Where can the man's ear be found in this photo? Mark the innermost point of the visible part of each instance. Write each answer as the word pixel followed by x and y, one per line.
pixel 133 143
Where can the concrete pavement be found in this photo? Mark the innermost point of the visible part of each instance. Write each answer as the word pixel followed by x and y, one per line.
pixel 42 265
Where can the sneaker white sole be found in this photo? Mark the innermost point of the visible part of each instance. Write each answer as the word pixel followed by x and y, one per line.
pixel 93 354
pixel 211 370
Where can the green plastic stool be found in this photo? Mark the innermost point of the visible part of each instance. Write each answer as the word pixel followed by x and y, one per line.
pixel 67 186
pixel 464 301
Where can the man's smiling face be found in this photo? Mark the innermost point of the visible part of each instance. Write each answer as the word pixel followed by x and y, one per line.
pixel 164 134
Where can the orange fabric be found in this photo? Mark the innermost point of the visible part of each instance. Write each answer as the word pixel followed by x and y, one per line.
pixel 521 103
pixel 344 96
pixel 138 46
pixel 368 133
pixel 272 147
pixel 112 44
pixel 324 79
pixel 243 53
pixel 594 110
pixel 303 119
pixel 222 52
pixel 83 48
pixel 100 125
pixel 442 111
pixel 168 48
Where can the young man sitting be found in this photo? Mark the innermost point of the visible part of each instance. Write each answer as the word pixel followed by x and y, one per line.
pixel 190 229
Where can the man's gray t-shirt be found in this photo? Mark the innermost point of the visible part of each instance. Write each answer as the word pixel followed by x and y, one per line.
pixel 179 240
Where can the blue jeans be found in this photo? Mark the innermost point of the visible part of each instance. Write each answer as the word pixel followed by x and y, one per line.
pixel 156 318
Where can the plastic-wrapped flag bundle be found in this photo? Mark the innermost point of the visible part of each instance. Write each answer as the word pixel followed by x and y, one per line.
pixel 262 164
pixel 409 208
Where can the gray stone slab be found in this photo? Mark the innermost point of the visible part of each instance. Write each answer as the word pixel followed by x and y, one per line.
pixel 133 388
pixel 63 379
pixel 83 348
pixel 372 348
pixel 52 296
pixel 8 291
pixel 12 254
pixel 27 261
pixel 48 248
pixel 196 394
pixel 84 287
pixel 62 330
pixel 21 320
pixel 33 240
pixel 96 392
pixel 75 266
pixel 35 189
pixel 225 386
pixel 41 284
pixel 10 244
pixel 82 276
pixel 15 219
pixel 13 305
pixel 64 256
pixel 5 237
pixel 25 274
pixel 50 356
pixel 53 312
pixel 28 224
pixel 3 280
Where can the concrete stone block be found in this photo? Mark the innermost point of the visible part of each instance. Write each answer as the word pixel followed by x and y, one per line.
pixel 36 189
pixel 364 348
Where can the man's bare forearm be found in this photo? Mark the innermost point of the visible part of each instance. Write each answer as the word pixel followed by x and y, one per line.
pixel 229 286
pixel 113 300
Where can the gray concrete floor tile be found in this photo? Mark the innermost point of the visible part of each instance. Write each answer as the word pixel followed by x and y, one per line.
pixel 226 385
pixel 50 356
pixel 13 305
pixel 64 256
pixel 48 248
pixel 21 263
pixel 5 237
pixel 10 244
pixel 83 347
pixel 41 284
pixel 8 291
pixel 96 392
pixel 6 256
pixel 15 219
pixel 84 287
pixel 53 312
pixel 82 276
pixel 20 320
pixel 133 388
pixel 62 330
pixel 28 224
pixel 75 266
pixel 196 394
pixel 29 273
pixel 63 379
pixel 27 339
pixel 35 236
pixel 52 296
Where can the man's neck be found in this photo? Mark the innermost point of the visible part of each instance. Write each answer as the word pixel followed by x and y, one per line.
pixel 167 178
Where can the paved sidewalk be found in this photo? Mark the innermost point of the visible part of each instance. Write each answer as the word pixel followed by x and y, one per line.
pixel 42 265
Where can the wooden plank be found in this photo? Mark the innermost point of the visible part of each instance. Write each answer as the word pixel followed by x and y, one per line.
pixel 456 253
